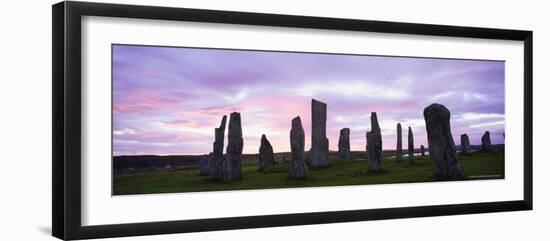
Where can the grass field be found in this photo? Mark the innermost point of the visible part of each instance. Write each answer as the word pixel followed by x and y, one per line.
pixel 477 165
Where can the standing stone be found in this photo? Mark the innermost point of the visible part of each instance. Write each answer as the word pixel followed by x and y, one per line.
pixel 217 154
pixel 234 151
pixel 280 158
pixel 319 142
pixel 204 164
pixel 440 140
pixel 374 144
pixel 266 154
pixel 344 151
pixel 486 142
pixel 399 148
pixel 464 143
pixel 298 167
pixel 422 150
pixel 367 145
pixel 411 146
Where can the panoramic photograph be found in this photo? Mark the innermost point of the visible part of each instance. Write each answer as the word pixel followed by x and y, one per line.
pixel 201 119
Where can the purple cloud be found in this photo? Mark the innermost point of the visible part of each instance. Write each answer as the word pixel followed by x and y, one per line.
pixel 169 100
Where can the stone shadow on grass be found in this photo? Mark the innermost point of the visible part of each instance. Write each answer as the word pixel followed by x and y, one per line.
pixel 220 180
pixel 364 173
pixel 275 169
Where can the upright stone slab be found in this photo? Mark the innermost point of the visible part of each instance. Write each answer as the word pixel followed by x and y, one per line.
pixel 399 147
pixel 411 146
pixel 234 151
pixel 280 158
pixel 266 155
pixel 319 142
pixel 464 143
pixel 204 164
pixel 216 163
pixel 344 151
pixel 486 142
pixel 374 144
pixel 422 150
pixel 367 136
pixel 298 168
pixel 440 140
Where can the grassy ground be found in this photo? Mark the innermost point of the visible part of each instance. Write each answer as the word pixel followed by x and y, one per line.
pixel 477 165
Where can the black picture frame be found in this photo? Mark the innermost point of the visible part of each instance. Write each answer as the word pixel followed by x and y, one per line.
pixel 66 127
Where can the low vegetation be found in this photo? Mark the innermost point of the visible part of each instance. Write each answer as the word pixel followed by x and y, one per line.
pixel 477 165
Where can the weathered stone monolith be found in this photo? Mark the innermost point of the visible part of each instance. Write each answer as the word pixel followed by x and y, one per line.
pixel 217 153
pixel 344 151
pixel 298 167
pixel 440 140
pixel 280 158
pixel 422 150
pixel 464 143
pixel 319 143
pixel 411 146
pixel 266 155
pixel 204 164
pixel 399 148
pixel 233 154
pixel 367 136
pixel 374 144
pixel 486 142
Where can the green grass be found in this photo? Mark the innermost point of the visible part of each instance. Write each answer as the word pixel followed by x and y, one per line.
pixel 477 165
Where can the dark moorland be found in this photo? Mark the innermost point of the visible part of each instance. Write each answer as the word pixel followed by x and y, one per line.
pixel 168 174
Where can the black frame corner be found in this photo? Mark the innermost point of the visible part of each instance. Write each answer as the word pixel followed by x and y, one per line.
pixel 66 127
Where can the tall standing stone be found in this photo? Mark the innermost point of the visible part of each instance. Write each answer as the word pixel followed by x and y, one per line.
pixel 298 167
pixel 319 142
pixel 422 150
pixel 486 142
pixel 374 144
pixel 399 148
pixel 204 164
pixel 367 136
pixel 411 146
pixel 464 143
pixel 234 151
pixel 217 155
pixel 440 140
pixel 266 154
pixel 344 151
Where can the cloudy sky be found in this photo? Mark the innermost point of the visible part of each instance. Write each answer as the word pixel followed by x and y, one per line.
pixel 169 100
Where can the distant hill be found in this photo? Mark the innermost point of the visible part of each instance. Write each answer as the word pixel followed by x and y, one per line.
pixel 124 163
pixel 151 161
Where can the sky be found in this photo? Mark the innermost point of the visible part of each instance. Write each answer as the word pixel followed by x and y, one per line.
pixel 168 100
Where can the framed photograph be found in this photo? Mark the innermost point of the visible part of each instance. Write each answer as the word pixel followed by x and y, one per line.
pixel 169 120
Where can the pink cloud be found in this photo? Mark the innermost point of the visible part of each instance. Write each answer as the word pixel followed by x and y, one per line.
pixel 146 100
pixel 173 98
